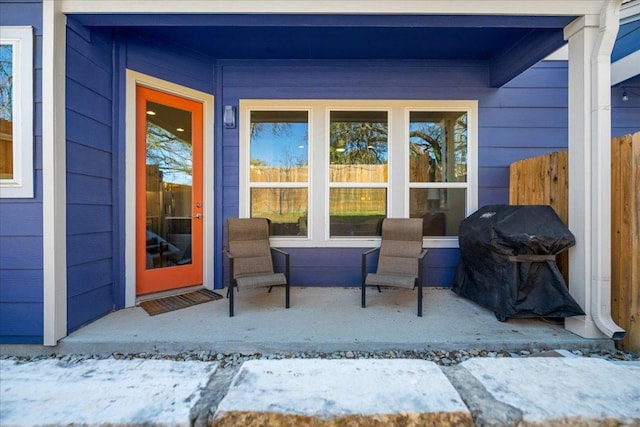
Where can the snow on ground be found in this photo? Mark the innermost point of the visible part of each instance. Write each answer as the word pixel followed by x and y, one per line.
pixel 100 391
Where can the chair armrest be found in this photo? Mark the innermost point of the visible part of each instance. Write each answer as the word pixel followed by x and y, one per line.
pixel 370 251
pixel 280 251
pixel 421 264
pixel 231 271
pixel 286 261
pixel 364 262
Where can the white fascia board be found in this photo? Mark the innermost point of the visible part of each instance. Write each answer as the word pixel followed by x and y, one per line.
pixel 473 7
pixel 625 68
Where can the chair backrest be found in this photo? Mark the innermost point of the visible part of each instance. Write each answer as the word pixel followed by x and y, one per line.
pixel 249 245
pixel 401 245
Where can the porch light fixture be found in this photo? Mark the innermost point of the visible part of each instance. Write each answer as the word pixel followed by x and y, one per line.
pixel 180 129
pixel 151 113
pixel 625 98
pixel 229 117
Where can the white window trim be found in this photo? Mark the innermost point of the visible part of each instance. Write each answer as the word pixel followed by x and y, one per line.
pixel 21 185
pixel 398 163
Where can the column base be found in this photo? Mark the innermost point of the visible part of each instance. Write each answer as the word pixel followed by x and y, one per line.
pixel 583 326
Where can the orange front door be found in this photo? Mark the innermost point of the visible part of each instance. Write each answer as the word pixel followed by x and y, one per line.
pixel 168 191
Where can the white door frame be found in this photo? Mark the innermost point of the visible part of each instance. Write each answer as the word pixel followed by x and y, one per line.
pixel 134 79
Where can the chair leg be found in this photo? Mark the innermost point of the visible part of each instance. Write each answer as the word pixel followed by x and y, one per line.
pixel 419 299
pixel 286 296
pixel 230 294
pixel 364 295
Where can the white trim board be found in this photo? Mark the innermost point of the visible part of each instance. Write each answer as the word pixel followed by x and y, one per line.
pixel 488 7
pixel 133 79
pixel 54 170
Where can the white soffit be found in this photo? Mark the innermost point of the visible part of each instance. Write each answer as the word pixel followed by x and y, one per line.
pixel 625 68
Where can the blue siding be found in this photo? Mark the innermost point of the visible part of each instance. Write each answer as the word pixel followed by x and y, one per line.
pixel 90 238
pixel 171 63
pixel 21 219
pixel 525 118
pixel 625 115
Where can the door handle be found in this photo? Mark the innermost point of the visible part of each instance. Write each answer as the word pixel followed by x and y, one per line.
pixel 197 216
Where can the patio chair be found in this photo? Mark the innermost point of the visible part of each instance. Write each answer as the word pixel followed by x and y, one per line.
pixel 401 258
pixel 250 260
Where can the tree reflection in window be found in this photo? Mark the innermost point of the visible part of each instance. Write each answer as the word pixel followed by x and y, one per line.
pixel 438 147
pixel 169 142
pixel 358 137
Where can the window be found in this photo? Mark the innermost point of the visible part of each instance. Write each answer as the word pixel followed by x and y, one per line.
pixel 357 172
pixel 279 169
pixel 326 172
pixel 438 170
pixel 16 112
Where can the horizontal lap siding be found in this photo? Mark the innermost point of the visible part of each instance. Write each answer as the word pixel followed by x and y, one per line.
pixel 21 274
pixel 90 159
pixel 525 118
pixel 625 115
pixel 170 63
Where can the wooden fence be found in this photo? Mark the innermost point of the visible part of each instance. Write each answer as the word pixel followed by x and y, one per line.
pixel 544 180
pixel 625 238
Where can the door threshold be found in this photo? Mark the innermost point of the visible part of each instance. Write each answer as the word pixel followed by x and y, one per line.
pixel 169 293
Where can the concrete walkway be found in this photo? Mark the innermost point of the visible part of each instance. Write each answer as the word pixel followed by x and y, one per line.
pixel 321 319
pixel 318 392
pixel 543 391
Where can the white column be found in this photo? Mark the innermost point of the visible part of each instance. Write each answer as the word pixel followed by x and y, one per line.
pixel 54 232
pixel 591 40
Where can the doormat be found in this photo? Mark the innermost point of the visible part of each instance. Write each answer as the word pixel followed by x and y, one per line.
pixel 176 302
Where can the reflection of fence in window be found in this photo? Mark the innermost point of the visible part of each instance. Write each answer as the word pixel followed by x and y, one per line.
pixel 285 207
pixel 358 173
pixel 279 204
pixel 6 149
pixel 424 169
pixel 279 174
pixel 358 201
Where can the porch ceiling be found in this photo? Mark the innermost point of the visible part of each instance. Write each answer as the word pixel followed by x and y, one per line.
pixel 508 44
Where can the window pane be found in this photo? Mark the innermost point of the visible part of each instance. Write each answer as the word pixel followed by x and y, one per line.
pixel 358 146
pixel 285 207
pixel 279 146
pixel 438 146
pixel 442 209
pixel 6 111
pixel 357 211
pixel 169 163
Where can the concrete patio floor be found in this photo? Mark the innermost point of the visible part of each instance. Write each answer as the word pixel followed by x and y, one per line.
pixel 321 319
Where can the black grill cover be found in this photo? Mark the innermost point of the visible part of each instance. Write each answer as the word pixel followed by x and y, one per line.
pixel 507 262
